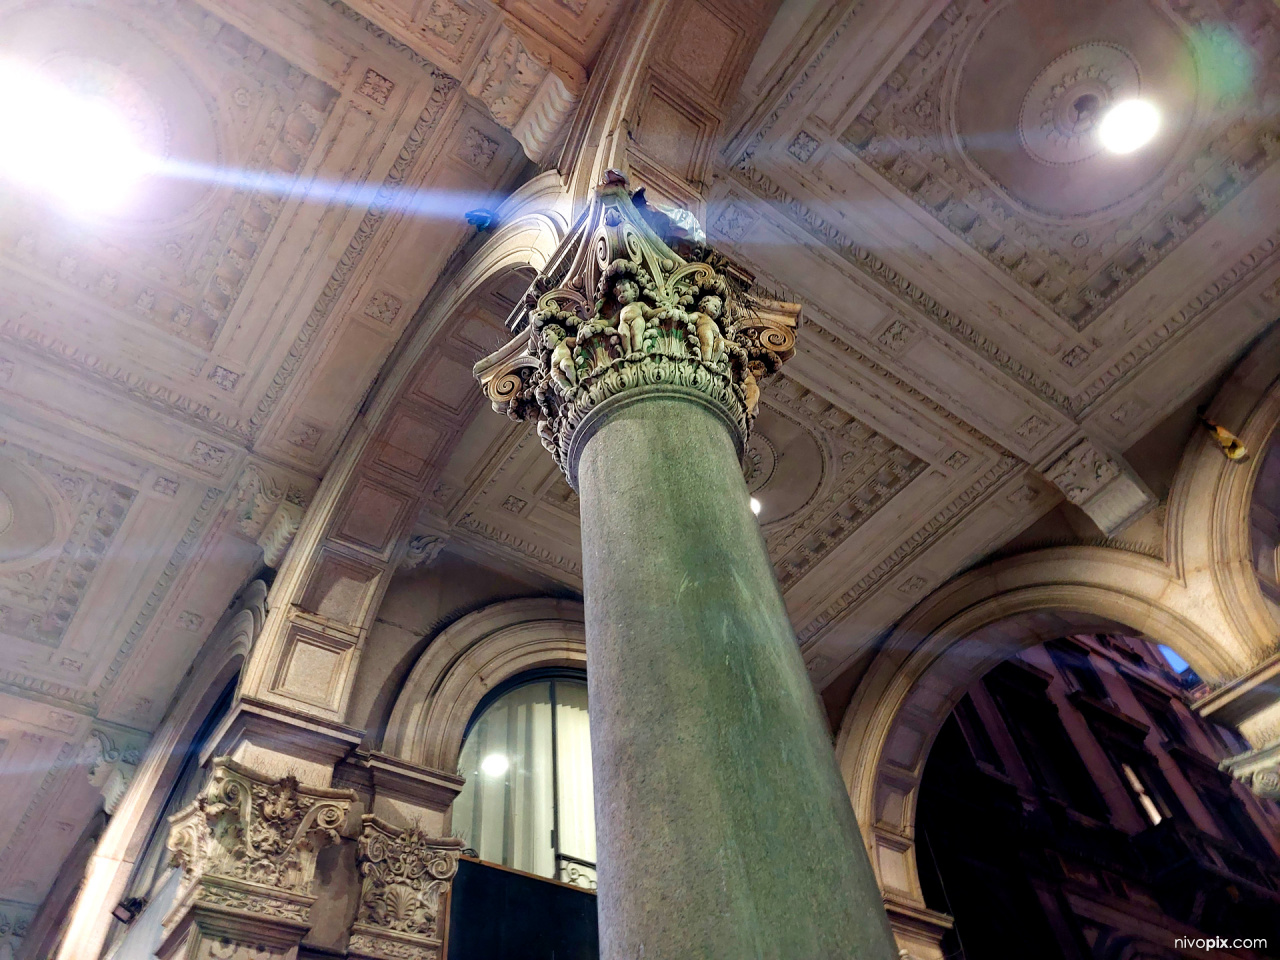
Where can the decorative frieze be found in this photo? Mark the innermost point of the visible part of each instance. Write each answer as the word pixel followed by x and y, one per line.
pixel 248 844
pixel 620 309
pixel 404 892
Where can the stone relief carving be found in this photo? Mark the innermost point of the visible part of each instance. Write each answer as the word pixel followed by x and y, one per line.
pixel 422 551
pixel 1081 472
pixel 524 91
pixel 249 842
pixel 111 767
pixel 620 309
pixel 14 920
pixel 1100 484
pixel 404 891
pixel 41 588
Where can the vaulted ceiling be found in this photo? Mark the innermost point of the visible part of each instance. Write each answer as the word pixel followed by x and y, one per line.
pixel 991 302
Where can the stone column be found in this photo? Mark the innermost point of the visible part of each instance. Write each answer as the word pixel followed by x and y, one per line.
pixel 247 847
pixel 723 828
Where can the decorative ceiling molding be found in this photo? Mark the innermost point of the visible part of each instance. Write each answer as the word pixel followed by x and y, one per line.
pixel 1077 266
pixel 868 263
pixel 444 87
pixel 938 524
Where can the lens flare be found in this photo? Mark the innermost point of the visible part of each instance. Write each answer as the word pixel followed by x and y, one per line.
pixel 43 148
pixel 1129 126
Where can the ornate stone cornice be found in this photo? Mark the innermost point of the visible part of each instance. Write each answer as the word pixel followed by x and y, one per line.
pixel 943 520
pixel 248 843
pixel 619 309
pixel 404 891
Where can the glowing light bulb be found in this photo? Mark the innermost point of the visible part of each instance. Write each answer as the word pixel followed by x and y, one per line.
pixel 494 765
pixel 1129 126
pixel 77 150
pixel 755 506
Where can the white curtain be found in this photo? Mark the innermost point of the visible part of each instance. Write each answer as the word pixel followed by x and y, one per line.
pixel 506 810
pixel 573 760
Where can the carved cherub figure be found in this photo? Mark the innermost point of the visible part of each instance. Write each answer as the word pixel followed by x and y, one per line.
pixel 751 392
pixel 709 339
pixel 632 316
pixel 561 345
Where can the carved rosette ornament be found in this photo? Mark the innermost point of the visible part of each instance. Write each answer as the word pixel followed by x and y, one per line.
pixel 634 298
pixel 406 876
pixel 248 844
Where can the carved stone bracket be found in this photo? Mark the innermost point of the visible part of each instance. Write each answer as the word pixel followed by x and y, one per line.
pixel 421 551
pixel 404 892
pixel 268 511
pixel 247 846
pixel 1101 484
pixel 111 766
pixel 632 299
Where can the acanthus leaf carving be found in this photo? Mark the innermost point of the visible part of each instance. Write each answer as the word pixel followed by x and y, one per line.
pixel 249 842
pixel 405 882
pixel 620 309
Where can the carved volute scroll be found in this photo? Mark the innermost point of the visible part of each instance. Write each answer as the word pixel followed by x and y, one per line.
pixel 404 892
pixel 635 298
pixel 248 843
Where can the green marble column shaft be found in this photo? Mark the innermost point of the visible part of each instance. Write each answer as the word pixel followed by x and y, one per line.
pixel 724 830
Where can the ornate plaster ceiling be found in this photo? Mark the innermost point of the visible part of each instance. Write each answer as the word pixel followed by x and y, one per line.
pixel 176 378
pixel 995 310
pixel 988 302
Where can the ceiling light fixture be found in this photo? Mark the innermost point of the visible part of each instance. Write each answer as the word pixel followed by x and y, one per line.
pixel 75 149
pixel 755 506
pixel 1129 126
pixel 494 765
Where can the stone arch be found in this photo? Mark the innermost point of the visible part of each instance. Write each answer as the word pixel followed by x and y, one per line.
pixel 1207 529
pixel 531 225
pixel 961 632
pixel 126 834
pixel 467 660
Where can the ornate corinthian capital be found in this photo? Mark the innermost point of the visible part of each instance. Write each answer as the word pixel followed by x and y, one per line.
pixel 248 843
pixel 406 877
pixel 633 299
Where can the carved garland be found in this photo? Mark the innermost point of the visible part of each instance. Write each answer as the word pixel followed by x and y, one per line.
pixel 630 312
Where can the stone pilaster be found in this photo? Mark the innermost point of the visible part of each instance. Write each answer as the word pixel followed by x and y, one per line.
pixel 404 894
pixel 723 828
pixel 247 847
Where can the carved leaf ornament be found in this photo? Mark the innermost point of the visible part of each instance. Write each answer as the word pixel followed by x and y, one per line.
pixel 619 308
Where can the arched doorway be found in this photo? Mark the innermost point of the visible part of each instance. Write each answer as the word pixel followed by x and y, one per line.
pixel 952 640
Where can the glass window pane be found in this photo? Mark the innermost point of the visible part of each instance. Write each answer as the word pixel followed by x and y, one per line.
pixel 573 762
pixel 506 810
